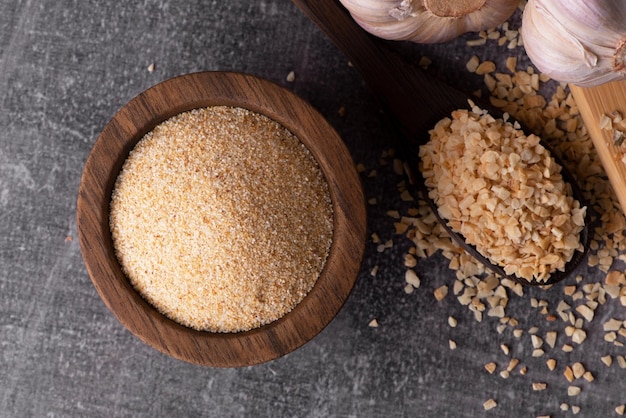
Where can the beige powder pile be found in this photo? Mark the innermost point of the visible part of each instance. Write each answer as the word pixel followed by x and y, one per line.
pixel 221 219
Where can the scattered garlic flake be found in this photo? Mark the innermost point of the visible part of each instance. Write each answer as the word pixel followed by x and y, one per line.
pixel 573 391
pixel 374 271
pixel 489 404
pixel 586 312
pixel 512 364
pixel 440 293
pixel 491 367
pixel 411 278
pixel 537 386
pixel 579 336
pixel 612 325
pixel 578 370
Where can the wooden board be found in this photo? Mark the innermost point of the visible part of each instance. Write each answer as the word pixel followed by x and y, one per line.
pixel 593 102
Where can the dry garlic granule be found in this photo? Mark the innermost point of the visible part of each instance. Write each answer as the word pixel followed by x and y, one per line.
pixel 616 125
pixel 221 219
pixel 503 192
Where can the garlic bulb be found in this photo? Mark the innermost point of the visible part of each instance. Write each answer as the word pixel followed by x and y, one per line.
pixel 577 41
pixel 428 21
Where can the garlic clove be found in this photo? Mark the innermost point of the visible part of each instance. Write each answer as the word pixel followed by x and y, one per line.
pixel 577 41
pixel 428 21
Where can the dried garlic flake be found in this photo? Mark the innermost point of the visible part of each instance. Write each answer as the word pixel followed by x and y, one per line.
pixel 503 192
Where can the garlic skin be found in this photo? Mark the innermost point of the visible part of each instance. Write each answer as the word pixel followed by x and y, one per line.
pixel 582 42
pixel 428 21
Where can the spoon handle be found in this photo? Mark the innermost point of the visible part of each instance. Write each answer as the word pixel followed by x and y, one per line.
pixel 416 99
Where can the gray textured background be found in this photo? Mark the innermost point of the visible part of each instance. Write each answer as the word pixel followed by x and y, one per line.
pixel 66 67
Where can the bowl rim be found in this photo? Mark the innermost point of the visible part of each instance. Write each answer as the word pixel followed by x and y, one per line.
pixel 221 88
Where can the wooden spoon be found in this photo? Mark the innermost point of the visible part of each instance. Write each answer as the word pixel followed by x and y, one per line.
pixel 418 102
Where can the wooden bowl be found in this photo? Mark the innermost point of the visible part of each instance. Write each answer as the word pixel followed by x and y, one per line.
pixel 104 163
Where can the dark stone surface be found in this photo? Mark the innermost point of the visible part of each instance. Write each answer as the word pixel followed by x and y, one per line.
pixel 65 68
